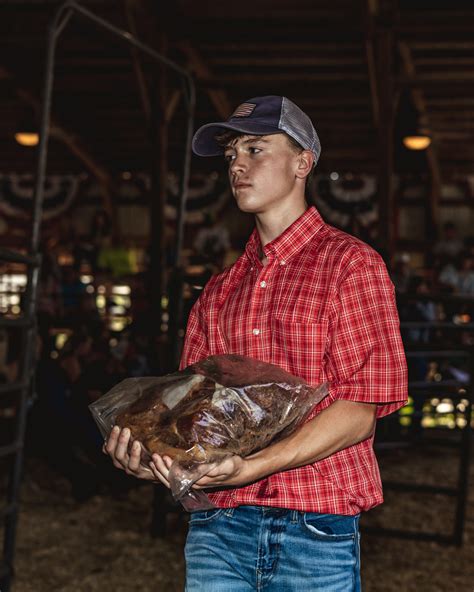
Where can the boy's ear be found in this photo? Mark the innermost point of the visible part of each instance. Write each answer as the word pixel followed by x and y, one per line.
pixel 305 164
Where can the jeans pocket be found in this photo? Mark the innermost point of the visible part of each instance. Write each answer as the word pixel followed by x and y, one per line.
pixel 204 517
pixel 331 527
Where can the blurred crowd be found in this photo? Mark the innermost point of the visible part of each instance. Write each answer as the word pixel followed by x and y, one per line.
pixel 79 358
pixel 436 306
pixel 449 268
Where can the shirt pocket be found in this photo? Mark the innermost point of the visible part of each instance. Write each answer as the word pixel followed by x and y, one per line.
pixel 299 348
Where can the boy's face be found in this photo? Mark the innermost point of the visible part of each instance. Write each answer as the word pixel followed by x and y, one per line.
pixel 261 171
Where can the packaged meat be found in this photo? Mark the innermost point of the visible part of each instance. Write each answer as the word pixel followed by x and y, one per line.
pixel 220 406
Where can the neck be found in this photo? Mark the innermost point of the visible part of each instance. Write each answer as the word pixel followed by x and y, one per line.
pixel 273 223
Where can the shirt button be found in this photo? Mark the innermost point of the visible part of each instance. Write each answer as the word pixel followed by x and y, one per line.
pixel 256 331
pixel 263 284
pixel 282 262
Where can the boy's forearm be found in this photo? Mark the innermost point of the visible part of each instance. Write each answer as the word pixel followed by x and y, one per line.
pixel 342 424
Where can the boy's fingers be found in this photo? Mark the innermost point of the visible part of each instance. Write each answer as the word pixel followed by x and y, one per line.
pixel 121 450
pixel 168 461
pixel 158 475
pixel 135 457
pixel 111 442
pixel 160 465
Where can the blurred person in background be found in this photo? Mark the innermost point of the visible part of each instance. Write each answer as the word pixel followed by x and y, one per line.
pixel 457 275
pixel 401 273
pixel 466 274
pixel 61 428
pixel 72 290
pixel 450 245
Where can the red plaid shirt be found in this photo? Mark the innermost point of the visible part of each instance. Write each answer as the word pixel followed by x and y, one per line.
pixel 323 308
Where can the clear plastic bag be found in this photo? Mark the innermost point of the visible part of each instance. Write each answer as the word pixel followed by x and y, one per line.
pixel 220 406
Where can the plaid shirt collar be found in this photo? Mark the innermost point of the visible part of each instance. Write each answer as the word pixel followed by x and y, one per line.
pixel 290 241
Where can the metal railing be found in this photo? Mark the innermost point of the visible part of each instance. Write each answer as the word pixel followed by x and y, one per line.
pixel 392 435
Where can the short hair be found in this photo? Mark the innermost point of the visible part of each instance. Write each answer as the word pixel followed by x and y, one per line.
pixel 224 138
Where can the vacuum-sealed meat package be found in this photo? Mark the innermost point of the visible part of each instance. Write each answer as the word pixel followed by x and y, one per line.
pixel 217 407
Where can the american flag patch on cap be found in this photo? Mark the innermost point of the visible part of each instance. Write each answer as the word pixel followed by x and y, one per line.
pixel 244 110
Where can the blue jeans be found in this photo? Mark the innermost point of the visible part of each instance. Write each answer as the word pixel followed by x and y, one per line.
pixel 273 550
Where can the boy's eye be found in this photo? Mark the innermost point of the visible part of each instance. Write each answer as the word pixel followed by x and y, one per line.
pixel 254 150
pixel 229 157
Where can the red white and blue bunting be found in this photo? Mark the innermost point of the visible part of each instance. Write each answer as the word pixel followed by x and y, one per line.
pixel 16 195
pixel 348 202
pixel 207 195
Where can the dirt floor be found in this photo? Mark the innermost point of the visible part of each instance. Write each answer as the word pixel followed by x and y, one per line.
pixel 103 543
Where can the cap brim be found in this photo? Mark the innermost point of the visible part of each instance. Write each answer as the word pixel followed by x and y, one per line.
pixel 204 140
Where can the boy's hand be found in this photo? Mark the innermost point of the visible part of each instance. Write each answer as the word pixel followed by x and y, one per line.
pixel 231 471
pixel 117 447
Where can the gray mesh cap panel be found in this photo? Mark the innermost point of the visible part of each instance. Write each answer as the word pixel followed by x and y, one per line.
pixel 299 126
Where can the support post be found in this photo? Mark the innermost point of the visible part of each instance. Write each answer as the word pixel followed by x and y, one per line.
pixel 434 196
pixel 159 176
pixel 387 219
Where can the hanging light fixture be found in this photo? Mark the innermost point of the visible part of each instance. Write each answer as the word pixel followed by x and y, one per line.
pixel 417 141
pixel 417 137
pixel 27 138
pixel 27 132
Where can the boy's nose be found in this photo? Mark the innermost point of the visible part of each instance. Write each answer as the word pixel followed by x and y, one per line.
pixel 238 164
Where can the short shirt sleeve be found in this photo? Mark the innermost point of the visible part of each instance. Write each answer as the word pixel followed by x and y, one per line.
pixel 365 359
pixel 195 346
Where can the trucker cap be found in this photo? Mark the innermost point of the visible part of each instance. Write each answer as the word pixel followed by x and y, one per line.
pixel 261 116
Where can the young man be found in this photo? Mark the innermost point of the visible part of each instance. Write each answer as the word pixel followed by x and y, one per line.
pixel 318 303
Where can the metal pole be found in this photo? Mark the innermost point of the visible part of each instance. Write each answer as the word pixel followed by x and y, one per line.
pixel 44 127
pixel 190 100
pixel 176 296
pixel 463 479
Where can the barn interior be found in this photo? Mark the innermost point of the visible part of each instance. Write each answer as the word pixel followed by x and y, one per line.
pixel 110 229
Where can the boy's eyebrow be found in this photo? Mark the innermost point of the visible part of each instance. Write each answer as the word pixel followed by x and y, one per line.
pixel 256 139
pixel 249 141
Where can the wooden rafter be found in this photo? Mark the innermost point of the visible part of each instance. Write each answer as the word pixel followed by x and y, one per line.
pixel 219 97
pixel 134 8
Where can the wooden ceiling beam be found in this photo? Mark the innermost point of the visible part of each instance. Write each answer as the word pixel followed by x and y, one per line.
pixel 219 97
pixel 303 77
pixel 449 124
pixel 317 48
pixel 298 61
pixel 263 11
pixel 441 45
pixel 438 62
pixel 437 79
